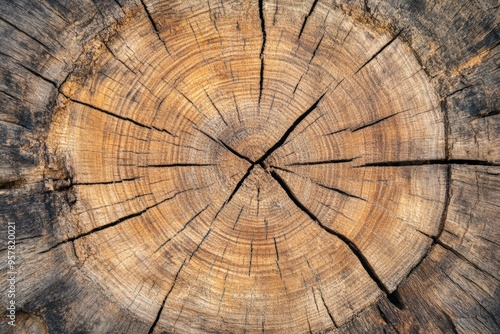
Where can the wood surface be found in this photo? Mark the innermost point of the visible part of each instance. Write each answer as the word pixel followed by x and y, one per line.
pixel 251 166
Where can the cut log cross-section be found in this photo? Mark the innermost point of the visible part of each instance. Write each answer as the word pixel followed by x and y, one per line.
pixel 244 166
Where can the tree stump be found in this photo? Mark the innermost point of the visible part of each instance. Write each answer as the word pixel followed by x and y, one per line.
pixel 250 166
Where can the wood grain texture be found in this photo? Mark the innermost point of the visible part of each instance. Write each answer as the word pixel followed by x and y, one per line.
pixel 251 166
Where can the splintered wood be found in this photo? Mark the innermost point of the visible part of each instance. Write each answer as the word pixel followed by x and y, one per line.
pixel 250 166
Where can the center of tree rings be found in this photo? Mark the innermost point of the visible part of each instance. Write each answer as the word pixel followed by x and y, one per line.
pixel 234 161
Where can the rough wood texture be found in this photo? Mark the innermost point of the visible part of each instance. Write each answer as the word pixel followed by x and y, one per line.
pixel 251 166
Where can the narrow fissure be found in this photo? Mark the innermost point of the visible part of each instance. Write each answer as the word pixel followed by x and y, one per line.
pixel 177 165
pixel 430 162
pixel 155 28
pixel 289 131
pixel 362 259
pixel 109 113
pixel 116 222
pixel 183 228
pixel 307 17
pixel 155 322
pixel 374 123
pixel 379 51
pixel 217 109
pixel 239 184
pixel 264 37
pixel 327 309
pixel 326 162
pixel 229 148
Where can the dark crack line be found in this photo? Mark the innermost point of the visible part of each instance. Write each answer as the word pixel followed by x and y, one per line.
pixel 289 131
pixel 325 162
pixel 223 292
pixel 198 44
pixel 307 17
pixel 429 162
pixel 277 257
pixel 217 109
pixel 116 222
pixel 258 200
pixel 304 129
pixel 115 115
pixel 308 66
pixel 38 75
pixel 151 329
pixel 266 227
pixel 251 257
pixel 48 49
pixel 489 113
pixel 314 52
pixel 105 182
pixel 464 259
pixel 201 242
pixel 263 47
pixel 375 122
pixel 335 132
pixel 237 108
pixel 190 102
pixel 183 228
pixel 119 60
pixel 229 148
pixel 155 27
pixel 239 184
pixel 231 233
pixel 327 309
pixel 335 210
pixel 237 219
pixel 362 259
pixel 342 192
pixel 177 165
pixel 9 95
pixel 380 51
pixel 451 324
pixel 339 191
pixel 386 319
pixel 315 301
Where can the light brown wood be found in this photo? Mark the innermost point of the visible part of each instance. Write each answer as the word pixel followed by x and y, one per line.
pixel 252 166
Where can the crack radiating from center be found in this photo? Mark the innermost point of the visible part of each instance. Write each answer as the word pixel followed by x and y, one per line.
pixel 356 251
pixel 282 140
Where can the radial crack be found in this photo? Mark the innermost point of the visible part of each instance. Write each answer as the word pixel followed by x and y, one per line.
pixel 199 245
pixel 114 115
pixel 239 184
pixel 116 222
pixel 105 182
pixel 429 162
pixel 264 37
pixel 307 17
pixel 53 83
pixel 325 162
pixel 326 307
pixel 251 257
pixel 373 123
pixel 339 191
pixel 289 131
pixel 183 228
pixel 356 251
pixel 379 51
pixel 229 148
pixel 277 257
pixel 177 165
pixel 155 322
pixel 217 109
pixel 155 28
